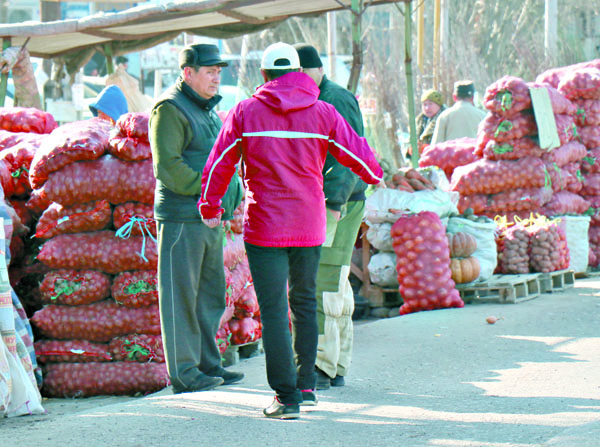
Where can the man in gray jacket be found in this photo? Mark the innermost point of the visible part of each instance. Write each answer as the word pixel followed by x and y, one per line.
pixel 191 276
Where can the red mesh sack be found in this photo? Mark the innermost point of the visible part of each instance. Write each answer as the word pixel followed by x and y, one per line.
pixel 223 338
pixel 240 277
pixel 548 251
pixel 9 139
pixel 244 331
pixel 85 217
pixel 582 83
pixel 6 180
pixel 74 287
pixel 491 177
pixel 22 211
pixel 567 153
pixel 589 136
pixel 512 149
pixel 593 260
pixel 99 250
pixel 591 185
pixel 26 119
pixel 556 178
pixel 71 351
pixel 520 199
pixel 513 249
pixel 108 177
pixel 79 140
pixel 565 126
pixel 129 139
pixel 594 202
pixel 236 225
pixel 554 75
pixel 138 218
pixel 246 304
pixel 140 348
pixel 449 154
pixel 594 236
pixel 18 160
pixel 104 379
pixel 136 289
pixel 573 176
pixel 423 263
pixel 565 202
pixel 233 251
pixel 588 112
pixel 591 162
pixel 499 128
pixel 98 322
pixel 38 202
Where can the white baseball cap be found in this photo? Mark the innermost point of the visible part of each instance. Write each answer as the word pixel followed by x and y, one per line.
pixel 280 56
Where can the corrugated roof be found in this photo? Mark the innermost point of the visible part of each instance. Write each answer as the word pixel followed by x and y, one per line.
pixel 223 18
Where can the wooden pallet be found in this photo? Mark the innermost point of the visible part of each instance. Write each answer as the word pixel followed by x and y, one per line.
pixel 380 296
pixel 516 288
pixel 589 273
pixel 234 353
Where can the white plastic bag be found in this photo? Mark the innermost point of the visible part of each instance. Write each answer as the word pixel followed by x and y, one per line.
pixel 386 205
pixel 380 236
pixel 576 229
pixel 485 235
pixel 382 269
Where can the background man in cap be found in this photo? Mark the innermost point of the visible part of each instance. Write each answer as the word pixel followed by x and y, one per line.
pixel 191 278
pixel 345 202
pixel 432 105
pixel 110 104
pixel 460 120
pixel 283 134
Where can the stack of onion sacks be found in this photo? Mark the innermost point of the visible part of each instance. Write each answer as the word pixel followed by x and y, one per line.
pixel 423 263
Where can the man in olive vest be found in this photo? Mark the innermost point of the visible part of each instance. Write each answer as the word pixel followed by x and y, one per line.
pixel 191 277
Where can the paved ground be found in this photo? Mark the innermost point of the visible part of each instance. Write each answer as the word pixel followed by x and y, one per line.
pixel 444 378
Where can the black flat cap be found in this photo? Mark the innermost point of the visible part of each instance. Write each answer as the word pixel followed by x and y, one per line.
pixel 309 56
pixel 200 55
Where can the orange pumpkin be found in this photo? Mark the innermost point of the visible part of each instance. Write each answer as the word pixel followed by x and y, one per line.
pixel 461 245
pixel 464 269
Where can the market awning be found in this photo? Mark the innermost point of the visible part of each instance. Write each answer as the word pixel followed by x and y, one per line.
pixel 147 25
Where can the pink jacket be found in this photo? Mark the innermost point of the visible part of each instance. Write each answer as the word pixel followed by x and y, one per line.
pixel 283 134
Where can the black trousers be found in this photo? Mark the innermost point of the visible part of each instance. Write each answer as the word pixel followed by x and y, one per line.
pixel 290 358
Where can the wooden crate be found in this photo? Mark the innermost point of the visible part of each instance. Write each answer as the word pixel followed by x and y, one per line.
pixel 556 281
pixel 234 353
pixel 502 289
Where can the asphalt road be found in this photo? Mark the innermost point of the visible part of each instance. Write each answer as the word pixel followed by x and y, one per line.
pixel 444 378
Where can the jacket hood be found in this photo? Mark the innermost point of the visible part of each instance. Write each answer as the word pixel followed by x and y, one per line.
pixel 288 93
pixel 111 101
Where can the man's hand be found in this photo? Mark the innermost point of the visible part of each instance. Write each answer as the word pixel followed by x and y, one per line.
pixel 381 184
pixel 212 223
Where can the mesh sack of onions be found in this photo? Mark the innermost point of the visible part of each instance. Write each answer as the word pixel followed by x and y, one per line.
pixel 85 217
pixel 79 140
pixel 498 128
pixel 588 112
pixel 591 162
pixel 556 178
pixel 565 154
pixel 589 136
pixel 233 251
pixel 245 330
pixel 97 322
pixel 582 83
pixel 129 139
pixel 136 288
pixel 104 379
pixel 74 287
pixel 71 351
pixel 491 177
pixel 99 250
pixel 565 202
pixel 26 119
pixel 139 216
pixel 520 199
pixel 449 154
pixel 246 304
pixel 140 348
pixel 18 160
pixel 108 177
pixel 591 185
pixel 512 149
pixel 423 263
pixel 573 176
pixel 9 139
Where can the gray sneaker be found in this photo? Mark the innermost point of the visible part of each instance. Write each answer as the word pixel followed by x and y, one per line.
pixel 309 398
pixel 279 410
pixel 323 380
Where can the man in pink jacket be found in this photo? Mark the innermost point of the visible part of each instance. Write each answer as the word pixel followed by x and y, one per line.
pixel 282 134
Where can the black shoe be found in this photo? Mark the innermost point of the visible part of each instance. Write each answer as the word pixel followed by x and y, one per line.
pixel 278 410
pixel 203 383
pixel 338 381
pixel 309 398
pixel 323 380
pixel 228 377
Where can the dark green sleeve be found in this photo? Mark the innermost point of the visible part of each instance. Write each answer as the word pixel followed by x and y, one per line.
pixel 169 133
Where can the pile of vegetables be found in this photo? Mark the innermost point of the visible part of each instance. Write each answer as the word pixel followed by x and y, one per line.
pixel 410 180
pixel 464 267
pixel 448 155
